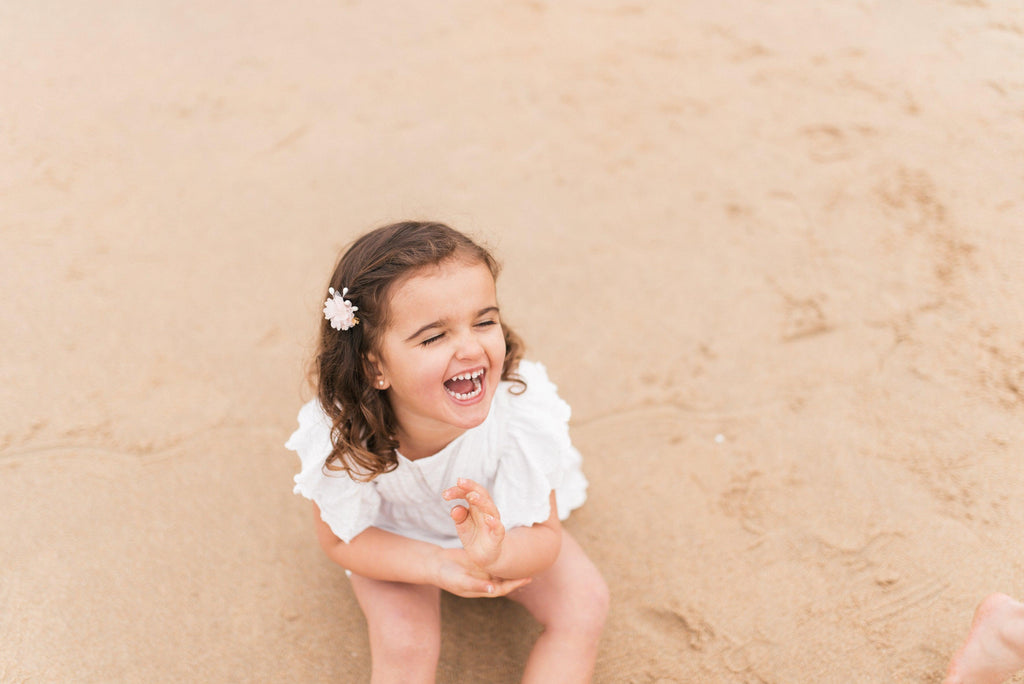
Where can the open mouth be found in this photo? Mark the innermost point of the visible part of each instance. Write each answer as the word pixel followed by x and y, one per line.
pixel 466 385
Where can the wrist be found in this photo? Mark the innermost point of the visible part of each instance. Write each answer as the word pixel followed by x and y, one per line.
pixel 493 565
pixel 433 566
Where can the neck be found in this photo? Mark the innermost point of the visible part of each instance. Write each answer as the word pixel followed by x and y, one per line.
pixel 422 444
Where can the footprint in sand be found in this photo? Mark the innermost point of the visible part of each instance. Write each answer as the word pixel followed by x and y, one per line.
pixel 803 318
pixel 828 143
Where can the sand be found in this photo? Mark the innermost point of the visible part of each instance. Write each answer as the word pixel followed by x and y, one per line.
pixel 771 252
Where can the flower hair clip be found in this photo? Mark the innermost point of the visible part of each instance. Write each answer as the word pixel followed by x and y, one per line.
pixel 339 311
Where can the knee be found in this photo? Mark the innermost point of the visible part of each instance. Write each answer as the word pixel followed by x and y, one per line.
pixel 407 645
pixel 598 600
pixel 585 608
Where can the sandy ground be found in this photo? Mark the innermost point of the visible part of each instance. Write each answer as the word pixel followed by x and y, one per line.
pixel 771 253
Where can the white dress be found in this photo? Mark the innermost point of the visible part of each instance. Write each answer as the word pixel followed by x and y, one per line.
pixel 519 453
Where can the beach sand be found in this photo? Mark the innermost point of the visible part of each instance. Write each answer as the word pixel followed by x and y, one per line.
pixel 771 253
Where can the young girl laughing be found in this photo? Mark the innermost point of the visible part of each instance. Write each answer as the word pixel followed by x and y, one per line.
pixel 437 459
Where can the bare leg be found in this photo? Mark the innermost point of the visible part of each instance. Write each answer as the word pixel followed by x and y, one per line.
pixel 405 629
pixel 570 600
pixel 994 649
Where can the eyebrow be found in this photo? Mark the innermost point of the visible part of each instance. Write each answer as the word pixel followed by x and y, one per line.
pixel 439 323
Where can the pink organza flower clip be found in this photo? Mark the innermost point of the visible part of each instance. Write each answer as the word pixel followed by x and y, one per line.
pixel 339 311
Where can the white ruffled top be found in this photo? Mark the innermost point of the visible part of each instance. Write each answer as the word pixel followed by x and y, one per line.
pixel 519 453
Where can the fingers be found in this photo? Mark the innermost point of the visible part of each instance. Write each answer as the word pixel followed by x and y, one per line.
pixel 495 526
pixel 495 588
pixel 459 514
pixel 462 489
pixel 506 587
pixel 479 499
pixel 478 524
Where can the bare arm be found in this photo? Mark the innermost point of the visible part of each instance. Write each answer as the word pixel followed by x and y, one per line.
pixel 519 552
pixel 529 551
pixel 377 554
pixel 382 555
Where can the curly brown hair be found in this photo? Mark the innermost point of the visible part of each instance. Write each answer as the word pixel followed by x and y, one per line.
pixel 364 428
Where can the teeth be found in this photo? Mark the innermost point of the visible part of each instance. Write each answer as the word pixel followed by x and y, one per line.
pixel 469 376
pixel 478 386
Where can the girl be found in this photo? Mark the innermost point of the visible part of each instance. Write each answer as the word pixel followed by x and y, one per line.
pixel 435 459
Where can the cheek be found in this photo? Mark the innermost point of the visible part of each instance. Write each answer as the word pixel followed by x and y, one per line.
pixel 429 366
pixel 498 346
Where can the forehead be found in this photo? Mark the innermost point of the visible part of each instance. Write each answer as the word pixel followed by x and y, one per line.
pixel 441 291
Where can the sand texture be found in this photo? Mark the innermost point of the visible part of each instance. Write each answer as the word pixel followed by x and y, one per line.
pixel 771 252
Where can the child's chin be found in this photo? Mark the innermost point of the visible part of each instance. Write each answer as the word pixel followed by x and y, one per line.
pixel 472 415
pixel 474 420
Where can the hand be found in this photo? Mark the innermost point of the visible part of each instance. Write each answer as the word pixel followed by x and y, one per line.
pixel 459 575
pixel 479 527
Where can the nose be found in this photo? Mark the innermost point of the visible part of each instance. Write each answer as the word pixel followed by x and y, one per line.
pixel 468 346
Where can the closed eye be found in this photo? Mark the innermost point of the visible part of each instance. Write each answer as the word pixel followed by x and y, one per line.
pixel 482 324
pixel 430 340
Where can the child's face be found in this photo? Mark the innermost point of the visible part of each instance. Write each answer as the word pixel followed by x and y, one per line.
pixel 444 325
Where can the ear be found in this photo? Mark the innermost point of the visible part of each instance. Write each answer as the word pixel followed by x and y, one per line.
pixel 375 371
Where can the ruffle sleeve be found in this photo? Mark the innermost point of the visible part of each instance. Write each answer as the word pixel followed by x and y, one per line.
pixel 537 454
pixel 348 507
